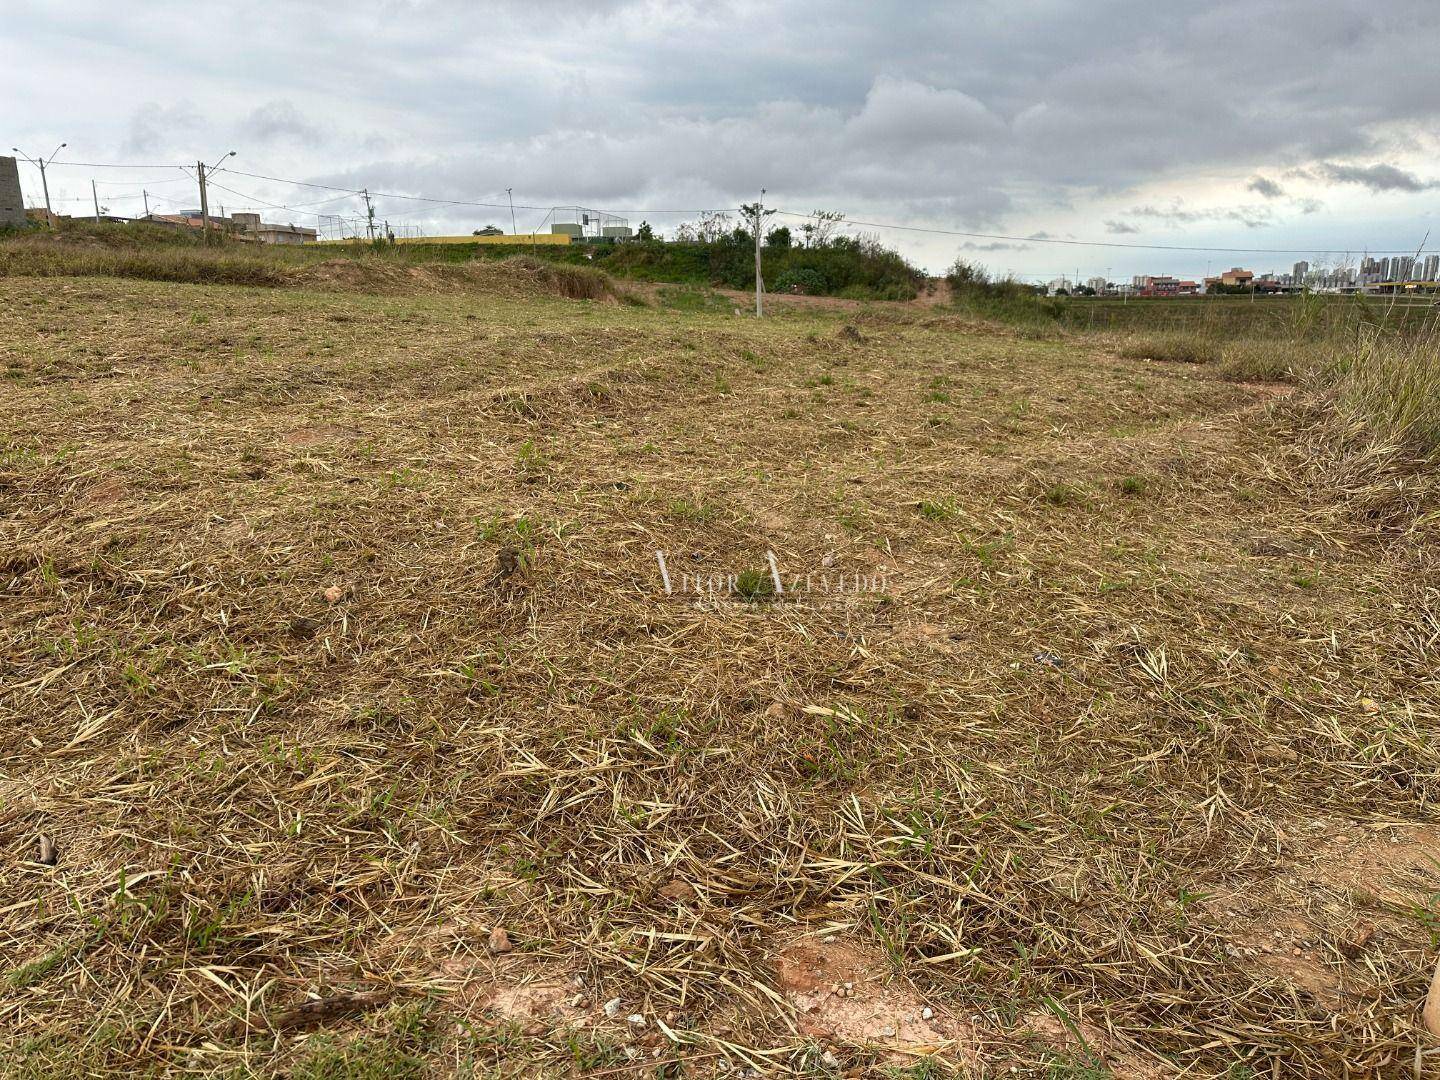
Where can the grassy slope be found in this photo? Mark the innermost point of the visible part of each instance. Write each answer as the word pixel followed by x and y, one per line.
pixel 260 794
pixel 156 253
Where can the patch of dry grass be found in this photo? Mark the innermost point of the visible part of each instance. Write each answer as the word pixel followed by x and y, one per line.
pixel 1266 360
pixel 385 270
pixel 1173 348
pixel 1393 384
pixel 334 639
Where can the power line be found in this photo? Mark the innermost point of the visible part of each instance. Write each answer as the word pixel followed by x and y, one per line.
pixel 281 206
pixel 1115 244
pixel 458 202
pixel 112 165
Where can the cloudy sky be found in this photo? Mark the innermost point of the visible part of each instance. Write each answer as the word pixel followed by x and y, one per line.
pixel 1292 124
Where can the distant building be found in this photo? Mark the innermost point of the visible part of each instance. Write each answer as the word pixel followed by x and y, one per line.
pixel 12 206
pixel 583 225
pixel 1164 285
pixel 1297 275
pixel 1232 278
pixel 1432 267
pixel 240 227
pixel 250 225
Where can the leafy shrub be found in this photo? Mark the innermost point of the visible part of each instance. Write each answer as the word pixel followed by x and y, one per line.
pixel 801 279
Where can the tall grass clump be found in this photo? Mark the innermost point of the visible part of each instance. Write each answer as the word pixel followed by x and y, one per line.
pixel 1266 360
pixel 1174 348
pixel 1391 382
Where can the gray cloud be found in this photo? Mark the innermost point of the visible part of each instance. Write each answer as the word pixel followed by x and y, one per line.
pixel 995 245
pixel 1120 227
pixel 913 111
pixel 1379 177
pixel 153 128
pixel 1251 217
pixel 279 120
pixel 1265 187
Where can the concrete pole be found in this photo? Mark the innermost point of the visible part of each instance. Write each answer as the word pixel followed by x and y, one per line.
pixel 95 196
pixel 204 200
pixel 759 282
pixel 49 216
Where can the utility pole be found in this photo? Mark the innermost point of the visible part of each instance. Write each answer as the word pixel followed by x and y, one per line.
pixel 759 282
pixel 201 170
pixel 369 215
pixel 40 163
pixel 513 230
pixel 146 196
pixel 95 195
pixel 204 199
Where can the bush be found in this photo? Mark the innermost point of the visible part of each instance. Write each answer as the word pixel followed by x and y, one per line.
pixel 801 279
pixel 973 290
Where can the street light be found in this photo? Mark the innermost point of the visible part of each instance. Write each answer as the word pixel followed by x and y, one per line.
pixel 203 169
pixel 40 163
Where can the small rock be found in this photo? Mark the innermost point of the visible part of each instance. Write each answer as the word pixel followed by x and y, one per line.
pixel 829 1060
pixel 638 1019
pixel 46 853
pixel 334 594
pixel 499 941
pixel 612 1007
pixel 1370 705
pixel 927 1013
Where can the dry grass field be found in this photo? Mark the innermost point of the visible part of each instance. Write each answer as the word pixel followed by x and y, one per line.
pixel 347 729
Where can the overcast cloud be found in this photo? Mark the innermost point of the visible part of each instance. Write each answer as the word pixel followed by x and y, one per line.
pixel 1294 124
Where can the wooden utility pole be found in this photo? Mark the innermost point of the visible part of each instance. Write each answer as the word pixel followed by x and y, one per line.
pixel 369 216
pixel 146 196
pixel 759 282
pixel 96 196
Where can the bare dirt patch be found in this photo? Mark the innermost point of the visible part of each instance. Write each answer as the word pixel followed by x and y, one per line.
pixel 843 992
